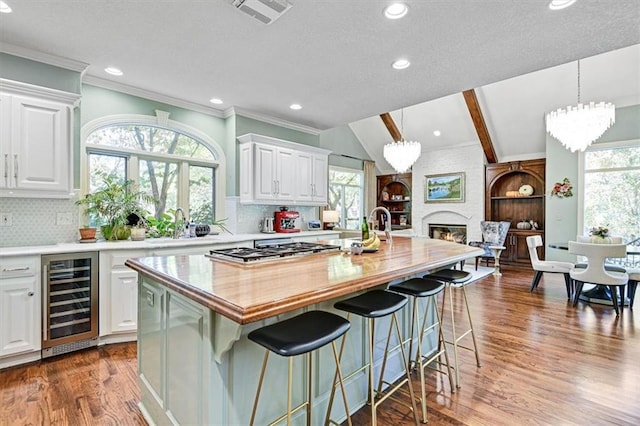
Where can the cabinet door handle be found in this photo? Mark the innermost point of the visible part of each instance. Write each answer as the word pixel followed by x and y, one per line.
pixel 277 187
pixel 273 187
pixel 45 300
pixel 15 167
pixel 30 294
pixel 6 169
pixel 19 268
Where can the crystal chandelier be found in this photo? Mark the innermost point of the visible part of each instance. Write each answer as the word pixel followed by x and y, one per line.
pixel 576 127
pixel 402 154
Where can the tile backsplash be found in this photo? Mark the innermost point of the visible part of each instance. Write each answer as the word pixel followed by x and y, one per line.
pixel 35 221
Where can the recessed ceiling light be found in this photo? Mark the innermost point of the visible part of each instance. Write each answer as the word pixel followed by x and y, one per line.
pixel 560 4
pixel 401 64
pixel 295 106
pixel 216 101
pixel 436 133
pixel 113 71
pixel 4 8
pixel 396 10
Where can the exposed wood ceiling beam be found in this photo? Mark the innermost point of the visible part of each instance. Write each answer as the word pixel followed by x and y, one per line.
pixel 481 128
pixel 391 126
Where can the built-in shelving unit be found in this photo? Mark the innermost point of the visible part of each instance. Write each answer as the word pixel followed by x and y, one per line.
pixel 394 193
pixel 504 178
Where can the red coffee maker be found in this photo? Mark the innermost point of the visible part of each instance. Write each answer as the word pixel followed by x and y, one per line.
pixel 285 220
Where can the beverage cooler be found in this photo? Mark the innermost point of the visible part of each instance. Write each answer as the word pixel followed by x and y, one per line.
pixel 69 302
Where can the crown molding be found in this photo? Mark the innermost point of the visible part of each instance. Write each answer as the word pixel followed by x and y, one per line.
pixel 92 80
pixel 270 120
pixel 34 55
pixel 55 95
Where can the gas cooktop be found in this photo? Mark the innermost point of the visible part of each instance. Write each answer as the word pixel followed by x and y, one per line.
pixel 270 253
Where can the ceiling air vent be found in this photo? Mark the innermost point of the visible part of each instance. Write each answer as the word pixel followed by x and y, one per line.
pixel 265 11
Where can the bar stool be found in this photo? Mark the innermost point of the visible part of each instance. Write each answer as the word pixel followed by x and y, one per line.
pixel 371 305
pixel 456 279
pixel 429 289
pixel 299 335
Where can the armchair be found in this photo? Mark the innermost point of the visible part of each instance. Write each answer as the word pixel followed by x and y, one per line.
pixel 493 234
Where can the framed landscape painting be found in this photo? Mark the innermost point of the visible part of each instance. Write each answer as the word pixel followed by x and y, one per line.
pixel 444 188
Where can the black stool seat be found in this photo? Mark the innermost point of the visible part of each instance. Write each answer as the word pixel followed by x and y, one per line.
pixel 450 275
pixel 373 304
pixel 418 287
pixel 607 266
pixel 301 334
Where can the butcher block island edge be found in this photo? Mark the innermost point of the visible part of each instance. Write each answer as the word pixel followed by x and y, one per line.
pixel 246 294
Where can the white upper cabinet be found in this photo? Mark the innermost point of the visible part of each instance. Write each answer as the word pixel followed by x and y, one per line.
pixel 311 177
pixel 274 171
pixel 35 141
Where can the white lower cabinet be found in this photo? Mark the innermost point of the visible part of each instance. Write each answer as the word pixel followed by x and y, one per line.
pixel 118 296
pixel 20 307
pixel 124 305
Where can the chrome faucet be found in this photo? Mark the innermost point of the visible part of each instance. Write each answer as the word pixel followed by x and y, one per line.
pixel 387 226
pixel 177 230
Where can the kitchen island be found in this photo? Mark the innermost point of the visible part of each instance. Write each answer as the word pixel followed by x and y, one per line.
pixel 196 365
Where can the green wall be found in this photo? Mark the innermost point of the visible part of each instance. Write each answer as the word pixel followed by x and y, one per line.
pixel 39 74
pixel 346 149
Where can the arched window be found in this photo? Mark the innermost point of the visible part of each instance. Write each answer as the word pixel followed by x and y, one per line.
pixel 177 165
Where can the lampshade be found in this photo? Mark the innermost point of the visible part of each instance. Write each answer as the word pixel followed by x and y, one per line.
pixel 577 127
pixel 330 216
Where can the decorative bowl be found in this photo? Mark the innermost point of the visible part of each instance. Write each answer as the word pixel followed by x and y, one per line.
pixel 202 230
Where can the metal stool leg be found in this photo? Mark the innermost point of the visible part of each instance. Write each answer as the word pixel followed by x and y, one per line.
pixel 420 361
pixel 260 380
pixel 373 392
pixel 473 334
pixel 455 338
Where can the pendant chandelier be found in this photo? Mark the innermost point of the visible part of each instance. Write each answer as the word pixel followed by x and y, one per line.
pixel 576 127
pixel 402 154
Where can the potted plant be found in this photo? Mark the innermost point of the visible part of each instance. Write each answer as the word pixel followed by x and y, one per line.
pixel 114 205
pixel 87 232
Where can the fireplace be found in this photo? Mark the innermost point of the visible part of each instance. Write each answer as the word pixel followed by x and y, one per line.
pixel 455 233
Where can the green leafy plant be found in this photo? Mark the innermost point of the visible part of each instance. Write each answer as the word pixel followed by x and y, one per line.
pixel 114 206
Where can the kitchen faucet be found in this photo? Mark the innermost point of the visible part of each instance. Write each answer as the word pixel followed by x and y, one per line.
pixel 387 225
pixel 177 230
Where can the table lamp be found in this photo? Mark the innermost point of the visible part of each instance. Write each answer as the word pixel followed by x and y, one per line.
pixel 330 218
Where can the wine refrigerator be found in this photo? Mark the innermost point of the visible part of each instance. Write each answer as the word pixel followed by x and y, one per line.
pixel 69 302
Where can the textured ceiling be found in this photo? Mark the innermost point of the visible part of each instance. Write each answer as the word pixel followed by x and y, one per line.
pixel 331 56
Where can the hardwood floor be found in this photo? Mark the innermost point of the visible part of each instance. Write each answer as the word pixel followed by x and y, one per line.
pixel 544 362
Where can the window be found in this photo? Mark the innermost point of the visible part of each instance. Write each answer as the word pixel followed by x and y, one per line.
pixel 176 165
pixel 346 195
pixel 612 189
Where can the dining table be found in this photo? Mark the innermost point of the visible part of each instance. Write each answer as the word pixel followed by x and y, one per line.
pixel 600 294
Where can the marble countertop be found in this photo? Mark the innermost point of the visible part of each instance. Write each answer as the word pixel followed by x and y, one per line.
pixel 149 243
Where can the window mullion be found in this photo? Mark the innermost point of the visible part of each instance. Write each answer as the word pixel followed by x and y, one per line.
pixel 183 187
pixel 133 168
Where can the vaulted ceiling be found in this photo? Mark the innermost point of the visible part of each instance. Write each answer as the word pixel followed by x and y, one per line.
pixel 334 58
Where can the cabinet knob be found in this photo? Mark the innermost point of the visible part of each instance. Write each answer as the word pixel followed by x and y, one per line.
pixel 30 293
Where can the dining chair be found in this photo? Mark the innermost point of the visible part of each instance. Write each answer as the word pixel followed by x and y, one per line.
pixel 493 234
pixel 634 278
pixel 595 272
pixel 542 266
